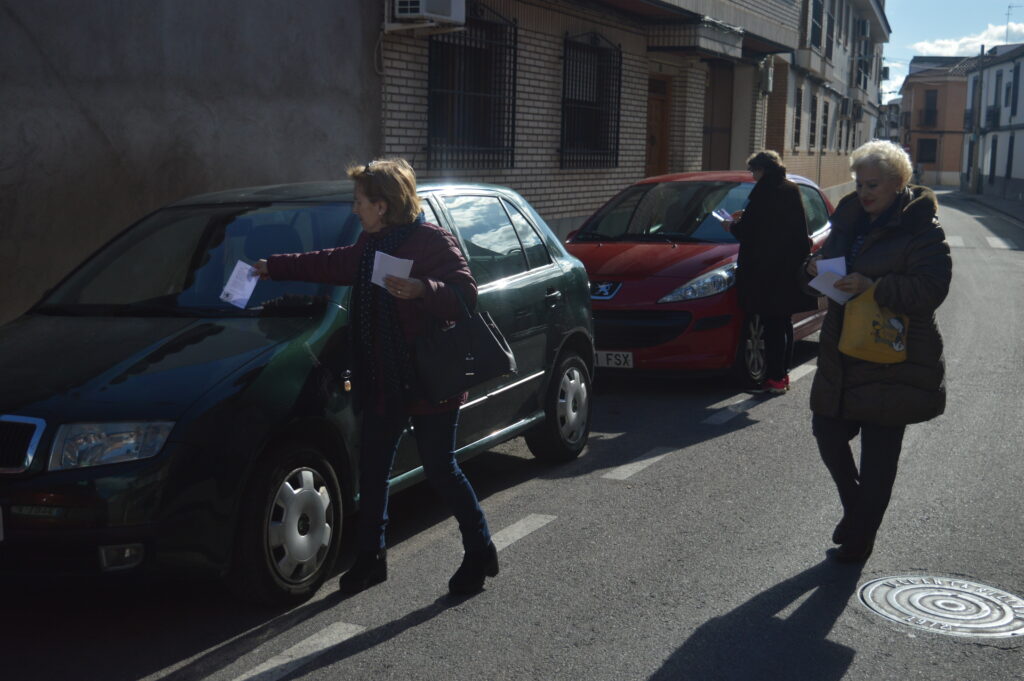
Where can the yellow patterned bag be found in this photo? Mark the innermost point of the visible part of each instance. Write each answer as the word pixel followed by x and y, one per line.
pixel 873 333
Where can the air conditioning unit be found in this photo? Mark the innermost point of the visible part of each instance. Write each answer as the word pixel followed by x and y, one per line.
pixel 441 11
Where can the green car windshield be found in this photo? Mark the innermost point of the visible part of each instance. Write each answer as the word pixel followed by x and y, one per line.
pixel 668 211
pixel 178 260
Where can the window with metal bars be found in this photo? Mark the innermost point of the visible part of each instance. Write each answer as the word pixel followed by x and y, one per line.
pixel 798 117
pixel 591 83
pixel 812 139
pixel 471 100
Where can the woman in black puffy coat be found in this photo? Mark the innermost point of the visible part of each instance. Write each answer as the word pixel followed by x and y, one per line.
pixel 890 236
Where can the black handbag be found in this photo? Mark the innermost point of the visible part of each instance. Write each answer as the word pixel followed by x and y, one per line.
pixel 454 357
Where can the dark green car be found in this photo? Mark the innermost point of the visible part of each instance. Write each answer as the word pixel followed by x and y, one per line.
pixel 147 424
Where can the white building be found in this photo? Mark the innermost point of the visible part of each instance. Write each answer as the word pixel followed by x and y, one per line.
pixel 993 161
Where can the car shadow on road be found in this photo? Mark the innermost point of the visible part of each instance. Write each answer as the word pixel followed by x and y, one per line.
pixel 768 638
pixel 646 418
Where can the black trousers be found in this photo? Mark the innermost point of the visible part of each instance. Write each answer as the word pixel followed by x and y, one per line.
pixel 865 493
pixel 778 346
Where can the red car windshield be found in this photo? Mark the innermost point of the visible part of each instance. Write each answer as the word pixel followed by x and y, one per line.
pixel 668 211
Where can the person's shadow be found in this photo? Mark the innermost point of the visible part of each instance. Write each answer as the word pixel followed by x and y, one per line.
pixel 753 642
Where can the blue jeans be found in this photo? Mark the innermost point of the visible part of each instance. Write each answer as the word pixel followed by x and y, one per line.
pixel 435 440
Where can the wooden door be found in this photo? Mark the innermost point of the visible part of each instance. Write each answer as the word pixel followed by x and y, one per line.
pixel 718 116
pixel 658 108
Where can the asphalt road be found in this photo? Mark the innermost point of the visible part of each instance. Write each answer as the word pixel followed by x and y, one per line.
pixel 688 542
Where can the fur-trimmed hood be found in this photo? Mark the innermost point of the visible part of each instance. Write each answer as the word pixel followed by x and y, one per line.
pixel 916 210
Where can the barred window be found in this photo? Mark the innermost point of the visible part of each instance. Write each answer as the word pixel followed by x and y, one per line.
pixel 591 77
pixel 812 140
pixel 824 125
pixel 471 100
pixel 798 117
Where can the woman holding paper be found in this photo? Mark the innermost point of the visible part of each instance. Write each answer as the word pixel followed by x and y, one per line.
pixel 388 313
pixel 772 232
pixel 886 233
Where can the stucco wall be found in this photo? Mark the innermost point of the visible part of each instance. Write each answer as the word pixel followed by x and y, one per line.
pixel 109 110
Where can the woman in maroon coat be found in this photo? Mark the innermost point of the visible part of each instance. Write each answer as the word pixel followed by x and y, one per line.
pixel 385 325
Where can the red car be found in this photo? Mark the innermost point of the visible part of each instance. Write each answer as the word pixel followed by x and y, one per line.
pixel 662 271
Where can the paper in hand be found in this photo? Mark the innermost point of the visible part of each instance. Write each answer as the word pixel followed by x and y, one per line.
pixel 722 214
pixel 384 264
pixel 240 285
pixel 830 271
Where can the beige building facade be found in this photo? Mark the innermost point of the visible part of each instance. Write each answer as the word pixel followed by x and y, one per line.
pixel 933 101
pixel 826 98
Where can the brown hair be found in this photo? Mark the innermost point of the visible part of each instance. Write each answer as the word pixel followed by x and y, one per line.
pixel 393 181
pixel 769 161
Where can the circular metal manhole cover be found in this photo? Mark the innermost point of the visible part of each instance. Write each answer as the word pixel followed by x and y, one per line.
pixel 958 607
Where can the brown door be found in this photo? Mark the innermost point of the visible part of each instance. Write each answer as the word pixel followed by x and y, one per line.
pixel 658 107
pixel 718 116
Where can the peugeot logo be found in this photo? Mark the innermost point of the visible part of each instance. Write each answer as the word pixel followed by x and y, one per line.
pixel 603 290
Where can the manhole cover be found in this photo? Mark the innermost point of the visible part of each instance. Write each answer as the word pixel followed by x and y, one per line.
pixel 958 607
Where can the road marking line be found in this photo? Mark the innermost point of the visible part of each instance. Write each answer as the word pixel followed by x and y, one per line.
pixel 625 471
pixel 733 407
pixel 518 530
pixel 283 664
pixel 801 371
pixel 996 242
pixel 955 241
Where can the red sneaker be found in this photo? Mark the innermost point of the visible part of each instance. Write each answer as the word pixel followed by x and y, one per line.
pixel 775 387
pixel 785 379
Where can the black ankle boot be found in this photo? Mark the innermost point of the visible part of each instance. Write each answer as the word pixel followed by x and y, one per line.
pixel 371 567
pixel 476 565
pixel 842 532
pixel 855 550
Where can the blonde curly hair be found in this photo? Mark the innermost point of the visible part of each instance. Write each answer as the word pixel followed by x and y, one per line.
pixel 888 157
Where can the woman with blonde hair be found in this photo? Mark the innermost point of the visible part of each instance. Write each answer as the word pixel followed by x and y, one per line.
pixel 385 325
pixel 888 233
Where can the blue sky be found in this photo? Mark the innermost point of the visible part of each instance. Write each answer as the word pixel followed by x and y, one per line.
pixel 947 28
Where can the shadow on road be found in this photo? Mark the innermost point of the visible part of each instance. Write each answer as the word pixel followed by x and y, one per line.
pixel 127 631
pixel 761 641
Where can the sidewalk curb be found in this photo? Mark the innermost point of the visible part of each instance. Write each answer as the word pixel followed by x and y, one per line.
pixel 980 200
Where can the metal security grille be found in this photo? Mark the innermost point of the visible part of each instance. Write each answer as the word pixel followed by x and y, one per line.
pixel 472 83
pixel 15 439
pixel 591 79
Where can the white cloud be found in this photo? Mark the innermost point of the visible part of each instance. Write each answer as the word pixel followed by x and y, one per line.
pixel 970 45
pixel 891 87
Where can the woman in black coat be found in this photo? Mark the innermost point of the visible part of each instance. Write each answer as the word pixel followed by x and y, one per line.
pixel 890 236
pixel 772 232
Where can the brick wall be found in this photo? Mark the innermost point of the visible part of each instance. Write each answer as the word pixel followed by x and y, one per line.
pixel 688 92
pixel 558 195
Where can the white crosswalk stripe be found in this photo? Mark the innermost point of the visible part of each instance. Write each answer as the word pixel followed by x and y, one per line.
pixel 998 242
pixel 301 653
pixel 628 470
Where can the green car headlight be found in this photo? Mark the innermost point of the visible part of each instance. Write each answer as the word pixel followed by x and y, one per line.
pixel 78 445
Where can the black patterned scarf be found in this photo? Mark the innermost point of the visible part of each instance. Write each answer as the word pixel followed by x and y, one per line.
pixel 380 343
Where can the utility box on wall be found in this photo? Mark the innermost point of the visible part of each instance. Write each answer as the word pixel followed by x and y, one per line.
pixel 443 11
